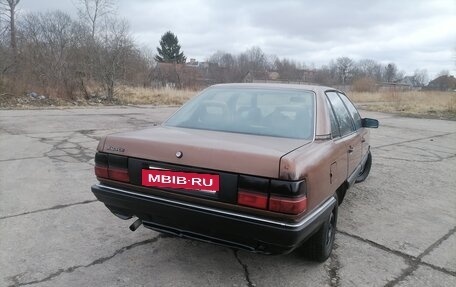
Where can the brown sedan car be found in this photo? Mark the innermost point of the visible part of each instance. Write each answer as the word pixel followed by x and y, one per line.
pixel 260 167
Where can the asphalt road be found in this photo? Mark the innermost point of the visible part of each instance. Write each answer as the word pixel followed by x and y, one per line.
pixel 396 229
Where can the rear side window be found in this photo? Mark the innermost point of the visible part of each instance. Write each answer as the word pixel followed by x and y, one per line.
pixel 353 111
pixel 342 115
pixel 335 133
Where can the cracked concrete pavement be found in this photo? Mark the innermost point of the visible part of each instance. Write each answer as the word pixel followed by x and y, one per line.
pixel 396 229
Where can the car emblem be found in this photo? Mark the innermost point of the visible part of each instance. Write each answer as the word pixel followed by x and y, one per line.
pixel 118 149
pixel 179 154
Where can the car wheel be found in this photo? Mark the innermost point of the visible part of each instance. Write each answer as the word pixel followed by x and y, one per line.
pixel 319 246
pixel 365 172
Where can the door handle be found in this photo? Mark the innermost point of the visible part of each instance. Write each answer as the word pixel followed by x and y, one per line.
pixel 350 149
pixel 363 140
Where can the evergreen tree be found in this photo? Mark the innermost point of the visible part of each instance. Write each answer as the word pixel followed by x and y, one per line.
pixel 169 50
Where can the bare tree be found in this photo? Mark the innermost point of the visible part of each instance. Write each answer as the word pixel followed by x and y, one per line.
pixel 51 52
pixel 324 76
pixel 5 52
pixel 369 68
pixel 8 11
pixel 257 59
pixel 3 24
pixel 252 61
pixel 147 55
pixel 93 10
pixel 223 59
pixel 287 69
pixel 116 49
pixel 345 69
pixel 390 73
pixel 225 67
pixel 222 68
pixel 420 78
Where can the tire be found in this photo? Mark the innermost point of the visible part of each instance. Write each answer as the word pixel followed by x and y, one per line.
pixel 319 246
pixel 367 167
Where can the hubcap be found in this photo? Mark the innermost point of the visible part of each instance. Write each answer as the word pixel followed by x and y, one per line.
pixel 329 234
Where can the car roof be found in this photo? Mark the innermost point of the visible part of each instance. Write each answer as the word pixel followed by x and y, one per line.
pixel 315 88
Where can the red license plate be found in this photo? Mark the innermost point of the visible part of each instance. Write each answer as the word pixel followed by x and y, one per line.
pixel 182 180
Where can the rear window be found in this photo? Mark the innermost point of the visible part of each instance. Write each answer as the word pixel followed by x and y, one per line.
pixel 271 112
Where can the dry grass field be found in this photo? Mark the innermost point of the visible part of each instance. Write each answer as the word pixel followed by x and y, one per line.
pixel 431 104
pixel 412 103
pixel 161 96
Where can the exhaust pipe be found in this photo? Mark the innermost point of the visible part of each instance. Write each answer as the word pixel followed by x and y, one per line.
pixel 135 224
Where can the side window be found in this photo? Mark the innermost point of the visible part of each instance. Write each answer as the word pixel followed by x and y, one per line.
pixel 353 111
pixel 342 115
pixel 335 132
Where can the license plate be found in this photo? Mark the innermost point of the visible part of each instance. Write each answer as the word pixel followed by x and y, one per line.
pixel 181 180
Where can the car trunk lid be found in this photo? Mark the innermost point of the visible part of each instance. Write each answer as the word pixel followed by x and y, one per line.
pixel 218 151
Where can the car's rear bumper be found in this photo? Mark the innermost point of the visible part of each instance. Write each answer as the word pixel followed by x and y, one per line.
pixel 213 225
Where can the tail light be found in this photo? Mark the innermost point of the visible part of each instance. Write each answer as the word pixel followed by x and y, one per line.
pixel 119 174
pixel 288 205
pixel 252 199
pixel 253 191
pixel 101 165
pixel 111 166
pixel 282 196
pixel 288 196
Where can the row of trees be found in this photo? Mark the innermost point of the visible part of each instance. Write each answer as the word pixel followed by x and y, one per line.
pixel 342 71
pixel 54 54
pixel 51 53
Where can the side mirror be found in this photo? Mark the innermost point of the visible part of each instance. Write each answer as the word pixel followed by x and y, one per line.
pixel 369 123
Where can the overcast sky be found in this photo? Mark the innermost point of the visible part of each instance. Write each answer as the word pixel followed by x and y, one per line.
pixel 413 34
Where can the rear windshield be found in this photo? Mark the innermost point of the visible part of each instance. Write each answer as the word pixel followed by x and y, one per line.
pixel 271 112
